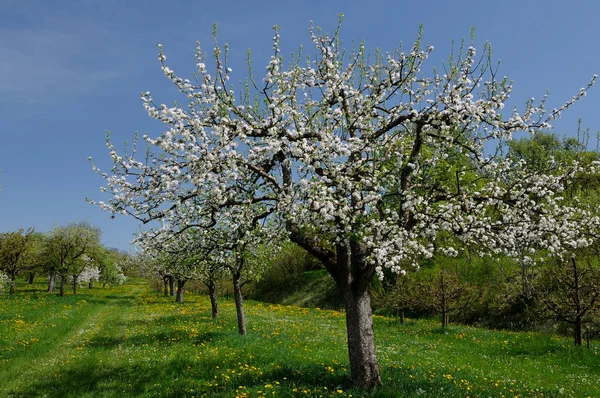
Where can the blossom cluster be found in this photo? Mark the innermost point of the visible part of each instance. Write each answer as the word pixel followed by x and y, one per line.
pixel 4 281
pixel 89 274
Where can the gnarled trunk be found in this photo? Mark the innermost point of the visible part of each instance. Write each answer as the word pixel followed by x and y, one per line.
pixel 212 293
pixel 52 281
pixel 239 303
pixel 180 290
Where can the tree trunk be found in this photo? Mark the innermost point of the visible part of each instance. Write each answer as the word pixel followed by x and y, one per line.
pixel 166 286
pixel 402 316
pixel 13 282
pixel 212 293
pixel 361 339
pixel 74 285
pixel 354 276
pixel 171 286
pixel 180 290
pixel 577 331
pixel 91 284
pixel 52 281
pixel 31 277
pixel 239 303
pixel 62 286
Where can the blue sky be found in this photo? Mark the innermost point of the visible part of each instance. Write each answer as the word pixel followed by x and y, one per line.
pixel 71 70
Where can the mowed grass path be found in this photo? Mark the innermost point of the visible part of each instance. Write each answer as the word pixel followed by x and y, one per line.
pixel 131 341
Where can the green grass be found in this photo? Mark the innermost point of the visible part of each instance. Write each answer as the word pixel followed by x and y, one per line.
pixel 130 341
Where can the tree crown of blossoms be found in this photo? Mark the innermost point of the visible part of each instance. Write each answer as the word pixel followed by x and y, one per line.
pixel 342 146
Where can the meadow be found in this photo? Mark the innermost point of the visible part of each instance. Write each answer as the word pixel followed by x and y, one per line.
pixel 132 341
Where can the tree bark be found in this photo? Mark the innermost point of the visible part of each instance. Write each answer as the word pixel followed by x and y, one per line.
pixel 355 276
pixel 212 293
pixel 364 368
pixel 62 286
pixel 577 331
pixel 180 290
pixel 52 282
pixel 13 282
pixel 171 286
pixel 239 303
pixel 74 285
pixel 91 284
pixel 31 277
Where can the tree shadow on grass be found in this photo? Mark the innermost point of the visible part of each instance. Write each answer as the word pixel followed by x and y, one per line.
pixel 169 379
pixel 89 380
pixel 305 375
pixel 163 379
pixel 159 338
pixel 169 321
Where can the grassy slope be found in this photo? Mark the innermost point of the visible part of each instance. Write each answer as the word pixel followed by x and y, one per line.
pixel 128 341
pixel 317 289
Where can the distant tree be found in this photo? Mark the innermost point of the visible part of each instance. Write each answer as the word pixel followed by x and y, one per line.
pixel 570 291
pixel 109 262
pixel 443 291
pixel 149 265
pixel 90 274
pixel 64 250
pixel 397 294
pixel 15 253
pixel 35 258
pixel 204 254
pixel 212 273
pixel 170 261
pixel 83 270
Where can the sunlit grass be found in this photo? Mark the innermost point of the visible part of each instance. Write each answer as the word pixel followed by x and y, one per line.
pixel 130 341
